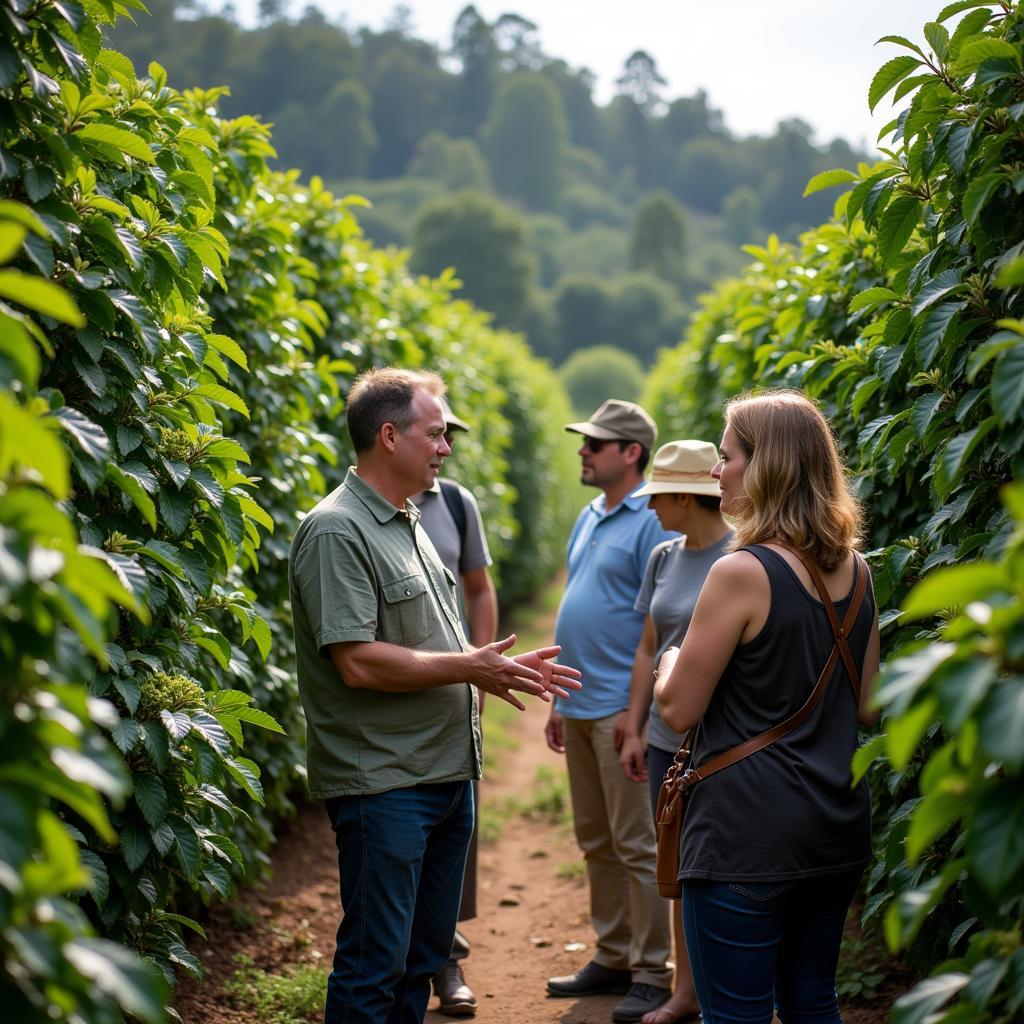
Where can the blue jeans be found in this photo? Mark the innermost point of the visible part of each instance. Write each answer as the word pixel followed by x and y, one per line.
pixel 401 857
pixel 758 945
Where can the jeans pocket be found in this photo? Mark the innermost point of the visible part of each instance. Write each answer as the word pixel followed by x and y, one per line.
pixel 761 892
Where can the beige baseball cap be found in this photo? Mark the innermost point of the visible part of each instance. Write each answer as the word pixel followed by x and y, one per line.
pixel 451 421
pixel 683 467
pixel 617 420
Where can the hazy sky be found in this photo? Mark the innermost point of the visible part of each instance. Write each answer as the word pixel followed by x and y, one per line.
pixel 759 62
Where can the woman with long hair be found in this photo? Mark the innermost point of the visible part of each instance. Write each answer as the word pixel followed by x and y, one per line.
pixel 685 498
pixel 774 842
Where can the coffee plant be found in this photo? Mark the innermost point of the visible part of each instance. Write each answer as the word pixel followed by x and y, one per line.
pixel 903 317
pixel 179 327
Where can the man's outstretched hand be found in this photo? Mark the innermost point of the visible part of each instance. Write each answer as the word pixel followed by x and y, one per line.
pixel 555 677
pixel 532 672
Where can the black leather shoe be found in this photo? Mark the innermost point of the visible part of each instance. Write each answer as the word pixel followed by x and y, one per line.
pixel 457 999
pixel 592 980
pixel 640 1000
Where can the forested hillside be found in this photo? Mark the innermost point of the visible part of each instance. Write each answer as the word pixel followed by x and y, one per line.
pixel 577 223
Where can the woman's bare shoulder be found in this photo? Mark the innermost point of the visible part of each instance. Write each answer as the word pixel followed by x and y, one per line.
pixel 739 568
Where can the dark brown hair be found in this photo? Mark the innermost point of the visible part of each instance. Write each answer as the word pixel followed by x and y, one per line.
pixel 384 395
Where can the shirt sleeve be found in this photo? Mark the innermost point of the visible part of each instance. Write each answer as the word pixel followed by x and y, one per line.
pixel 338 587
pixel 643 598
pixel 474 553
pixel 649 536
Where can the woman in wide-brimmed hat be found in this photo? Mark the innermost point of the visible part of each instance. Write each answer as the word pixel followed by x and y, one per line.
pixel 684 496
pixel 776 667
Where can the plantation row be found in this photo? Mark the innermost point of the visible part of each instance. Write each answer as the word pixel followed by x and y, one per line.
pixel 903 316
pixel 178 330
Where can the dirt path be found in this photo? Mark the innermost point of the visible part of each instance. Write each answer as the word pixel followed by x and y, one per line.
pixel 532 902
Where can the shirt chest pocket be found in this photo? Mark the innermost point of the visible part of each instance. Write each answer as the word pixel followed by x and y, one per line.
pixel 406 613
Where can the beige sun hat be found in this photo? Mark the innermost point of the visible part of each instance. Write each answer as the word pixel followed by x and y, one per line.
pixel 683 467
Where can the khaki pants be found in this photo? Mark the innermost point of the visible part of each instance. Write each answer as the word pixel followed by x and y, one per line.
pixel 612 819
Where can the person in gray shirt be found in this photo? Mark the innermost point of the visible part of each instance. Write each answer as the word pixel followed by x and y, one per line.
pixel 451 519
pixel 685 497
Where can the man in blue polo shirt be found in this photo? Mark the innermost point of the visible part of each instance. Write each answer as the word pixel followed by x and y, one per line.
pixel 599 630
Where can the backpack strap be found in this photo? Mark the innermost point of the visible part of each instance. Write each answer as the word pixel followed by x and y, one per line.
pixel 840 649
pixel 456 507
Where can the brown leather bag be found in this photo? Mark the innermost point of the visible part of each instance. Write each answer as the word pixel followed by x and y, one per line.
pixel 681 778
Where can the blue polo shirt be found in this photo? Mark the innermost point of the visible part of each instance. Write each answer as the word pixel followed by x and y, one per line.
pixel 597 625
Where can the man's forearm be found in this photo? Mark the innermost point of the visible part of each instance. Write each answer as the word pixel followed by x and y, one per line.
pixel 376 665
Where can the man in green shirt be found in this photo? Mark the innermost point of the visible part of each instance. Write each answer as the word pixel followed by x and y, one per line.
pixel 393 729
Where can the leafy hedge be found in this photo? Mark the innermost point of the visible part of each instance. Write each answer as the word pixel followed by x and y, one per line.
pixel 178 330
pixel 902 315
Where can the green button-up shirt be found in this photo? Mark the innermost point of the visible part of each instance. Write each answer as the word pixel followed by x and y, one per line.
pixel 361 569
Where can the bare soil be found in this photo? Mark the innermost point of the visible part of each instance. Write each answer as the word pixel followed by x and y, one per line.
pixel 531 908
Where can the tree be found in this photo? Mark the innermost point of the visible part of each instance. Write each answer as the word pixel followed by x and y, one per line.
pixel 271 10
pixel 525 138
pixel 518 44
pixel 658 242
pixel 406 92
pixel 576 89
pixel 486 242
pixel 628 142
pixel 474 48
pixel 641 82
pixel 583 309
pixel 588 376
pixel 646 315
pixel 706 172
pixel 741 212
pixel 456 163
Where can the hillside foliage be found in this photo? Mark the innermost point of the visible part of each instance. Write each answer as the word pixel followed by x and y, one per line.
pixel 179 326
pixel 902 315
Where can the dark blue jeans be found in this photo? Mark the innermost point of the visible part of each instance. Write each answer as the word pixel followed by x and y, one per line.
pixel 401 857
pixel 754 946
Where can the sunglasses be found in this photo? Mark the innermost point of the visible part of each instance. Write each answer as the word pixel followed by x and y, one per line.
pixel 595 444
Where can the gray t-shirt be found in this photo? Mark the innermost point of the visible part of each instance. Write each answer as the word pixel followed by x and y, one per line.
pixel 671 585
pixel 459 556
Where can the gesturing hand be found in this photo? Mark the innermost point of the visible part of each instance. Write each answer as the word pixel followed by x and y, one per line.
pixel 532 672
pixel 555 677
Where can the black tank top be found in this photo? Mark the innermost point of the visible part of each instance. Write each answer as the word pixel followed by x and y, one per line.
pixel 788 811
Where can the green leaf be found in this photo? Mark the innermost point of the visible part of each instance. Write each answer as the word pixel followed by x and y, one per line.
pixel 988 350
pixel 135 492
pixel 223 396
pixel 866 756
pixel 979 50
pixel 902 41
pixel 228 347
pixel 21 214
pixel 212 731
pixel 955 586
pixel 135 846
pixel 120 139
pixel 897 225
pixel 826 179
pixel 932 330
pixel 962 686
pixel 955 457
pixel 934 289
pixel 133 983
pixel 995 839
pixel 256 717
pixel 151 797
pixel 1001 721
pixel 918 1005
pixel 1008 384
pixel 903 734
pixel 949 10
pixel 126 734
pixel 871 297
pixel 187 846
pixel 978 194
pixel 261 636
pixel 888 75
pixel 932 818
pixel 43 296
pixel 226 448
pixel 938 39
pixel 26 441
pixel 175 511
pixel 90 437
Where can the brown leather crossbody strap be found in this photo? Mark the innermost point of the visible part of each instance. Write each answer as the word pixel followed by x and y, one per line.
pixel 840 648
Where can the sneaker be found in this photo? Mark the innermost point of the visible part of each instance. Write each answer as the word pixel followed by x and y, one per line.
pixel 457 999
pixel 640 999
pixel 594 979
